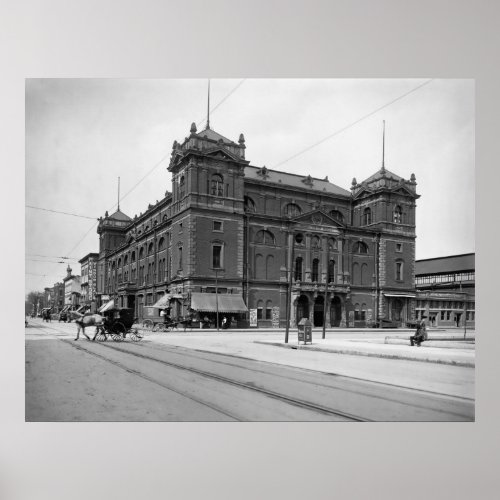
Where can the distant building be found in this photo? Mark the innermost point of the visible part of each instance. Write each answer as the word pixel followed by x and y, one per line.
pixel 72 290
pixel 88 282
pixel 258 236
pixel 446 290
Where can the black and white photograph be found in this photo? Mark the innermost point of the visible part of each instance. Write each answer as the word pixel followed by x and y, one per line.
pixel 255 248
pixel 250 250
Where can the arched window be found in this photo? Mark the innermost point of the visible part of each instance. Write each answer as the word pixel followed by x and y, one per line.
pixel 141 253
pixel 364 274
pixel 269 309
pixel 161 243
pixel 337 215
pixel 269 267
pixel 217 185
pixel 363 312
pixel 356 274
pixel 132 257
pixel 180 258
pixel 315 270
pixel 298 269
pixel 265 237
pixel 120 262
pixel 260 271
pixel 360 247
pixel 367 216
pixel 292 210
pixel 399 270
pixel 249 204
pixel 125 260
pixel 331 271
pixel 398 214
pixel 260 308
pixel 150 248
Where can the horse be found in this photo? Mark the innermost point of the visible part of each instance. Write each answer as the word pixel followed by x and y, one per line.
pixel 84 320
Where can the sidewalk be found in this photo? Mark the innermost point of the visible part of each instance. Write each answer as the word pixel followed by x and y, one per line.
pixel 444 347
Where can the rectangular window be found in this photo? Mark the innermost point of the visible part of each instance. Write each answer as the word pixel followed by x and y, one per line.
pixel 217 256
pixel 217 225
pixel 399 247
pixel 259 312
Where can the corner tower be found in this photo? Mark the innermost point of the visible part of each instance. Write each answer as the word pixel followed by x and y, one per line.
pixel 207 212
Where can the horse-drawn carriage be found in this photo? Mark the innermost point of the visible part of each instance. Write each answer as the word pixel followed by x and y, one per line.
pixel 118 323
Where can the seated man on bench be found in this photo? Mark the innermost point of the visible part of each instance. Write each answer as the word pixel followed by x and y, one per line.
pixel 421 333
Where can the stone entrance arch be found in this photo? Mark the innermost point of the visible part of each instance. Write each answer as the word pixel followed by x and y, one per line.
pixel 318 311
pixel 302 308
pixel 336 312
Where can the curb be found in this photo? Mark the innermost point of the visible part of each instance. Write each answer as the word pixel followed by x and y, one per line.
pixel 352 352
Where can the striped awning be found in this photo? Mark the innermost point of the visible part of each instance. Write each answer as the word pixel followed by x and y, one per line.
pixel 106 307
pixel 211 302
pixel 65 309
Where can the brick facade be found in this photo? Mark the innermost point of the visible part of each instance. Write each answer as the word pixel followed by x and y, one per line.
pixel 252 231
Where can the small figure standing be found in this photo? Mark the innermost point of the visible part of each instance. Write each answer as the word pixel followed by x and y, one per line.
pixel 224 323
pixel 420 334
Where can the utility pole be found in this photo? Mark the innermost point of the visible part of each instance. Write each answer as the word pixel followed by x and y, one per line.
pixel 326 288
pixel 289 289
pixel 216 301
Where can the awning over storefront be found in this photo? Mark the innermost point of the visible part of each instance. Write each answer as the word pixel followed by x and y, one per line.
pixel 163 301
pixel 400 295
pixel 211 302
pixel 106 307
pixel 46 309
pixel 65 309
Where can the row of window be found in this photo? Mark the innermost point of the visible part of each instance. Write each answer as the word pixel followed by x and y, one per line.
pixel 446 304
pixel 445 278
pixel 398 217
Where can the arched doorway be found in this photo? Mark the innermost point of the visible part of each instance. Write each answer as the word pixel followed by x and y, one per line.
pixel 397 309
pixel 302 308
pixel 318 310
pixel 336 311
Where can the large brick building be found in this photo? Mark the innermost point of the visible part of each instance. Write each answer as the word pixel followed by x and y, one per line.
pixel 264 239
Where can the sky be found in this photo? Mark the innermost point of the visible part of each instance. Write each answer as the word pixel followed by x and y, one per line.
pixel 84 134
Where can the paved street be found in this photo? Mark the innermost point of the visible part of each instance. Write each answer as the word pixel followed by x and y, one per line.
pixel 243 376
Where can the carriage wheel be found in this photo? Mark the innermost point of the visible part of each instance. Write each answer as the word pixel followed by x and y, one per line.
pixel 160 327
pixel 148 323
pixel 135 335
pixel 118 331
pixel 101 336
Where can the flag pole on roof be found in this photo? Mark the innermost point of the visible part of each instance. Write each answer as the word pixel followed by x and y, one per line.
pixel 383 148
pixel 208 106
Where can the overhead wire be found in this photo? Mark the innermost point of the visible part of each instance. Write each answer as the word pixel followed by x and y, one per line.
pixel 59 212
pixel 364 117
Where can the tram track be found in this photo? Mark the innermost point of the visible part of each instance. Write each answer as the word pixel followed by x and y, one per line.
pixel 197 355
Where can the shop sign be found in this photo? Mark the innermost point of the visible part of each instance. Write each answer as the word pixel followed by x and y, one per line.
pixel 275 319
pixel 253 317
